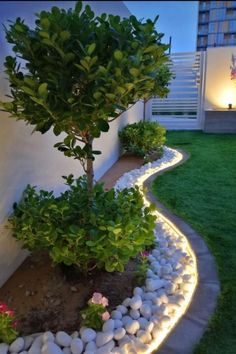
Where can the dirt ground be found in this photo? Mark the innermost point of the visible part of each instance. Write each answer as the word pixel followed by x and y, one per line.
pixel 47 297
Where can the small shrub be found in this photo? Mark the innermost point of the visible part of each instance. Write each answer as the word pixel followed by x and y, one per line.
pixel 8 324
pixel 103 232
pixel 95 313
pixel 143 138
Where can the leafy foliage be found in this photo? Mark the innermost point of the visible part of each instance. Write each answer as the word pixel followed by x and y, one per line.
pixel 8 324
pixel 142 267
pixel 143 137
pixel 81 72
pixel 104 232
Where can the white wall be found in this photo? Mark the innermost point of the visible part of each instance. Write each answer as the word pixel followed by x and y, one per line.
pixel 220 90
pixel 27 158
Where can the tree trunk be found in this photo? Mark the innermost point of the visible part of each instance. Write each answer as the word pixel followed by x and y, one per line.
pixel 89 167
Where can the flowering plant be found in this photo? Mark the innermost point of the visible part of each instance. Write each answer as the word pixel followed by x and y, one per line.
pixel 95 314
pixel 8 324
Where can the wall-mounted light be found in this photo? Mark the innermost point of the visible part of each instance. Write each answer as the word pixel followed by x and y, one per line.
pixel 229 105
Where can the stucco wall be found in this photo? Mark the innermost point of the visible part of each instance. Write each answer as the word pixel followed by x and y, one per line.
pixel 220 90
pixel 27 158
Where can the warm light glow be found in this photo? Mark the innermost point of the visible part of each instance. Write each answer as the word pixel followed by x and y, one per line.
pixel 227 96
pixel 172 230
pixel 188 297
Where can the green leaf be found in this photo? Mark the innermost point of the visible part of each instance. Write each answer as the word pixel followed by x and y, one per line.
pixel 19 28
pixel 85 64
pixel 111 96
pixel 56 130
pixel 42 90
pixel 78 7
pixel 45 23
pixel 44 34
pixel 129 86
pixel 29 81
pixel 96 152
pixel 91 48
pixel 8 106
pixel 27 90
pixel 151 48
pixel 118 55
pixel 37 100
pixel 103 125
pixel 134 72
pixel 48 42
pixel 97 95
pixel 65 35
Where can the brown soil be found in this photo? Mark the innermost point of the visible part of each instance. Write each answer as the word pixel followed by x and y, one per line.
pixel 49 297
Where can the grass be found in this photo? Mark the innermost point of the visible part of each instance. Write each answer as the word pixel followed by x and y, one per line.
pixel 203 192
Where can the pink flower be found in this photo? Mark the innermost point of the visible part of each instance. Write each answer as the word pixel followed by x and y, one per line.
pixel 144 254
pixel 15 324
pixel 105 316
pixel 10 313
pixel 104 301
pixel 3 308
pixel 97 298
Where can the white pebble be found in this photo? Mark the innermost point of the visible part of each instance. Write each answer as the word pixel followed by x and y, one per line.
pixel 103 338
pixel 28 341
pixel 146 311
pixel 88 335
pixel 119 333
pixel 91 346
pixel 48 337
pixel 138 291
pixel 154 284
pixel 76 346
pixel 136 302
pixel 116 315
pixel 109 325
pixel 66 351
pixel 51 348
pixel 144 336
pixel 118 323
pixel 17 345
pixel 143 322
pixel 132 327
pixel 3 348
pixel 63 339
pixel 123 309
pixel 135 314
pixel 106 348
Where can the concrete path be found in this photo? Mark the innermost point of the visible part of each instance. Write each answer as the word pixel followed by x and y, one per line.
pixel 194 322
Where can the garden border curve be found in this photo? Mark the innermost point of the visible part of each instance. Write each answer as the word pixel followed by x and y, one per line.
pixel 190 328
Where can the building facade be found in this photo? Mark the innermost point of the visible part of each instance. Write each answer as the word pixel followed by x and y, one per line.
pixel 216 24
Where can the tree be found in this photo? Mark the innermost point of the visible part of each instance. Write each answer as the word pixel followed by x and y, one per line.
pixel 81 72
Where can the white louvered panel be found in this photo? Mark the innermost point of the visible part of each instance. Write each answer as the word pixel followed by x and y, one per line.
pixel 182 102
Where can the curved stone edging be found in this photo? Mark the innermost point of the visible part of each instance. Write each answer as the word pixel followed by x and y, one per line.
pixel 147 318
pixel 194 322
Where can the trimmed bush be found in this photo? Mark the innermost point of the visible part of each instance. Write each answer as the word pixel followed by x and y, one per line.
pixel 102 231
pixel 143 138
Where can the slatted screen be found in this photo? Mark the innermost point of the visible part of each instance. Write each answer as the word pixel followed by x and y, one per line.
pixel 183 100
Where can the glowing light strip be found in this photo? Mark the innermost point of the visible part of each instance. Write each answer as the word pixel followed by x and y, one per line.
pixel 164 332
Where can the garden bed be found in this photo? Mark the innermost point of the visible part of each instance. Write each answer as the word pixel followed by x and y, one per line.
pixel 143 321
pixel 39 292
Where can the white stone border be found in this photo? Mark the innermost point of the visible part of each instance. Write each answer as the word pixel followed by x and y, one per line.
pixel 142 322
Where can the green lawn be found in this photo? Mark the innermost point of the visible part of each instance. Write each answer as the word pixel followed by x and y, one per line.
pixel 203 192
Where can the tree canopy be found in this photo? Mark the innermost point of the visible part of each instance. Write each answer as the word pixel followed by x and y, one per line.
pixel 80 72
